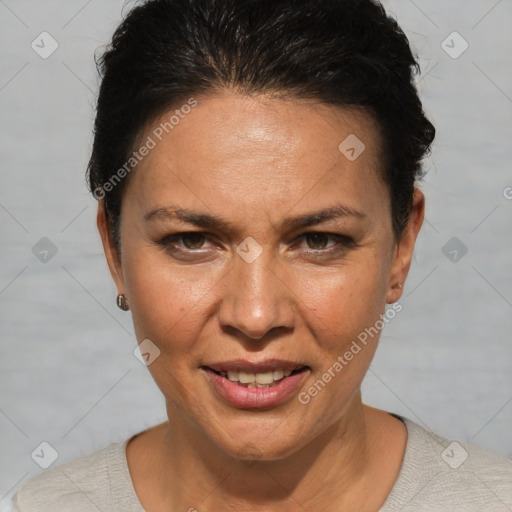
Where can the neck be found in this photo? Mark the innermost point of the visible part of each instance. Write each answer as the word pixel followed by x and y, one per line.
pixel 334 467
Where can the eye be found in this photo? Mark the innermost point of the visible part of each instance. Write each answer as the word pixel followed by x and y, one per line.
pixel 192 241
pixel 317 241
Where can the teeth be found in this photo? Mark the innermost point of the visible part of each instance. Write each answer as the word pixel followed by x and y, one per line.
pixel 264 378
pixel 260 380
pixel 233 376
pixel 246 378
pixel 278 374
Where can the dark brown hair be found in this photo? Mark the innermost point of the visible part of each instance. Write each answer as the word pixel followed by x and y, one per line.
pixel 340 52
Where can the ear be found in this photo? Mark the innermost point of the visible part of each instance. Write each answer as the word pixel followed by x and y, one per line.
pixel 111 252
pixel 404 249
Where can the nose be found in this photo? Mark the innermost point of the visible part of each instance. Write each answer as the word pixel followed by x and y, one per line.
pixel 256 298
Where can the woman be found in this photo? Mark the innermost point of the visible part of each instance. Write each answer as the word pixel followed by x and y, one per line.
pixel 256 164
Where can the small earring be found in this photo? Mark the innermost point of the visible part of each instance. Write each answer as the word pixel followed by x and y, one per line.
pixel 122 303
pixel 399 285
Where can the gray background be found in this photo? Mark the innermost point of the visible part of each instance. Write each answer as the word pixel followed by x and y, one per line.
pixel 68 375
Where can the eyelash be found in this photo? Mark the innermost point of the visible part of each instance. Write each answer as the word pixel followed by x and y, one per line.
pixel 343 242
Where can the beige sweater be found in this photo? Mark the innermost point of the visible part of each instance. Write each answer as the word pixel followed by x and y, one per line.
pixel 436 476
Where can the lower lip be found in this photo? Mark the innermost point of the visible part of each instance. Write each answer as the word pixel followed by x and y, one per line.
pixel 256 398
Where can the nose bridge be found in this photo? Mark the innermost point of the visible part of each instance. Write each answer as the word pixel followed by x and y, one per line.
pixel 255 300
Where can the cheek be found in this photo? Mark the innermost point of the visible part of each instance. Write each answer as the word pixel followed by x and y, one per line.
pixel 342 313
pixel 343 304
pixel 168 307
pixel 166 301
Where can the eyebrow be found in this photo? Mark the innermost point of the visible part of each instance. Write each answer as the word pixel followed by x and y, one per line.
pixel 208 221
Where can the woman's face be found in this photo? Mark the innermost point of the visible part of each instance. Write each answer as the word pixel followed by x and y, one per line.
pixel 252 284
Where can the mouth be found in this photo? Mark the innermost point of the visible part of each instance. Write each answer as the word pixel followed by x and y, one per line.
pixel 257 379
pixel 244 384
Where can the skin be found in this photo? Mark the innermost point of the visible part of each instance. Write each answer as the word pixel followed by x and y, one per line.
pixel 254 161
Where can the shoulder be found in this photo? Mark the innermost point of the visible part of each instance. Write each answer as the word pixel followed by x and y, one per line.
pixel 438 474
pixel 97 481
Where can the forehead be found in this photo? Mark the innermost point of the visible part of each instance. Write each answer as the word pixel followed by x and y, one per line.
pixel 261 153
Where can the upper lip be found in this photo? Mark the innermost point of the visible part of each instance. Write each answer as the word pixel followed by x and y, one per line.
pixel 266 365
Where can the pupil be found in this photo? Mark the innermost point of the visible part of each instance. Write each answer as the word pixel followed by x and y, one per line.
pixel 196 238
pixel 318 238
